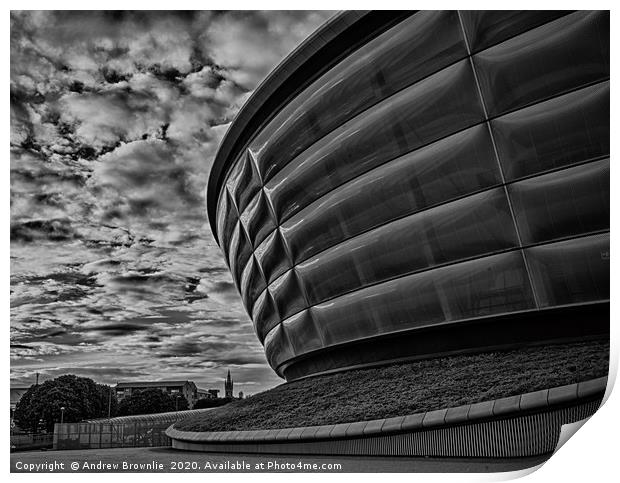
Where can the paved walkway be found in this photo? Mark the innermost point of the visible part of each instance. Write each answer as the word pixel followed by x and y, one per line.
pixel 166 460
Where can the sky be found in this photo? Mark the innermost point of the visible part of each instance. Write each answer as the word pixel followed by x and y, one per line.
pixel 115 121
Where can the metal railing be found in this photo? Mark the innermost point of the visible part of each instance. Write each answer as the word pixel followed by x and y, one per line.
pixel 30 441
pixel 121 432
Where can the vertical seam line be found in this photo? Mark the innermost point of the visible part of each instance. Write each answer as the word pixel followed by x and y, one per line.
pixel 499 164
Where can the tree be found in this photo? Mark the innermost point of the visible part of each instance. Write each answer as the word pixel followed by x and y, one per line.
pixel 81 397
pixel 150 401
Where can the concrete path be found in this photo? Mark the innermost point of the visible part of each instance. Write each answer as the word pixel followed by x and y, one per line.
pixel 168 460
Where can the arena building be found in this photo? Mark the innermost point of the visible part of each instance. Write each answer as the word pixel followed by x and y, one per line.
pixel 412 184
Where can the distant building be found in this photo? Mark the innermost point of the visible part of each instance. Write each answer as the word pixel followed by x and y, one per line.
pixel 228 386
pixel 208 393
pixel 185 388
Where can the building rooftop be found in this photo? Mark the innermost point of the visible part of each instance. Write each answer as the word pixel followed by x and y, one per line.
pixel 152 384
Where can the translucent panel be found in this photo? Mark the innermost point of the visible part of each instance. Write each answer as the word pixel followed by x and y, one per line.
pixel 257 219
pixel 234 246
pixel 240 252
pixel 409 51
pixel 487 286
pixel 244 181
pixel 222 217
pixel 226 218
pixel 235 177
pixel 264 314
pixel 452 167
pixel 254 183
pixel 461 229
pixel 288 294
pixel 563 203
pixel 244 282
pixel 562 131
pixel 271 256
pixel 571 271
pixel 488 27
pixel 431 109
pixel 247 213
pixel 302 333
pixel 252 284
pixel 554 58
pixel 277 347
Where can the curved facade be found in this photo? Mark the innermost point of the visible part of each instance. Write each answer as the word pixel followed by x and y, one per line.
pixel 434 182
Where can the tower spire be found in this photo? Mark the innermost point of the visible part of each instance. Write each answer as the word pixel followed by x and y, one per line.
pixel 228 386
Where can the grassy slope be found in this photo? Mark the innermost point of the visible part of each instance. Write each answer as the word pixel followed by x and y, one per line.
pixel 407 388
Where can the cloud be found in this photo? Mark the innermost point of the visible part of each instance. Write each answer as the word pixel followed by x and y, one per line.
pixel 120 329
pixel 105 118
pixel 222 292
pixel 115 120
pixel 55 230
pixel 250 44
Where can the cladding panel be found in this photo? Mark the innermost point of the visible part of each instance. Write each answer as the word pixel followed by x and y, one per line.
pixel 450 173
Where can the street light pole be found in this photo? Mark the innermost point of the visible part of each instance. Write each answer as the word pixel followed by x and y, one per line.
pixel 62 414
pixel 109 401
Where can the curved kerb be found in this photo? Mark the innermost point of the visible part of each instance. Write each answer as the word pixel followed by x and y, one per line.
pixel 516 426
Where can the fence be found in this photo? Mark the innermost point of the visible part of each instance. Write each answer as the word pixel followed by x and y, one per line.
pixel 30 441
pixel 128 431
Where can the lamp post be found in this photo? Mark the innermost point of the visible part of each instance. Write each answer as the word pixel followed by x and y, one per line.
pixel 110 400
pixel 62 414
pixel 176 401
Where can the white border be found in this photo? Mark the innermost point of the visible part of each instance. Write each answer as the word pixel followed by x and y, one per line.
pixel 590 456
